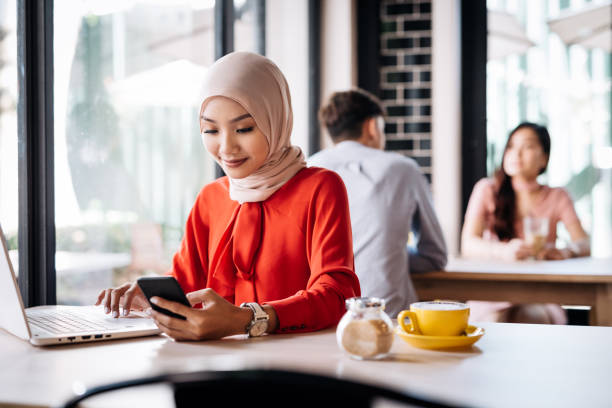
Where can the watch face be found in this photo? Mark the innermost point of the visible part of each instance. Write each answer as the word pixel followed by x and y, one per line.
pixel 258 328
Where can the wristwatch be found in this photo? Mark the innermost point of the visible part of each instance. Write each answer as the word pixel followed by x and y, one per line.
pixel 258 326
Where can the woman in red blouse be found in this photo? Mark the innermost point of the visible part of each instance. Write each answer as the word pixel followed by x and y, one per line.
pixel 271 235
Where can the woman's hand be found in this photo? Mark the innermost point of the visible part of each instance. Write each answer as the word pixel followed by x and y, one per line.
pixel 516 249
pixel 217 318
pixel 554 254
pixel 128 295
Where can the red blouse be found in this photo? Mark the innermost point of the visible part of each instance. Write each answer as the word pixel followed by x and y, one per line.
pixel 292 251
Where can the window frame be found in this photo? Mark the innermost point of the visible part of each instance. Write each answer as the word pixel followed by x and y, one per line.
pixel 314 74
pixel 473 96
pixel 36 231
pixel 368 50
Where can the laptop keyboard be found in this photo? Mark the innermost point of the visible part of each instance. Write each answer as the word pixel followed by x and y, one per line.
pixel 63 321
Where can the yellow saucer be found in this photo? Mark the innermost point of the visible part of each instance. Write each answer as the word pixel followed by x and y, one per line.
pixel 471 336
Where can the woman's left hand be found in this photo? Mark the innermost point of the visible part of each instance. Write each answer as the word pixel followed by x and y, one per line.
pixel 553 254
pixel 217 318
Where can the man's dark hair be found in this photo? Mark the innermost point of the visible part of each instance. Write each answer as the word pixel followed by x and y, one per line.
pixel 344 113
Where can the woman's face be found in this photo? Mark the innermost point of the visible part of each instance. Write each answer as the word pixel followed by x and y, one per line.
pixel 524 156
pixel 231 136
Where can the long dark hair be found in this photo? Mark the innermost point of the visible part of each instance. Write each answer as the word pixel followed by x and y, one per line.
pixel 505 200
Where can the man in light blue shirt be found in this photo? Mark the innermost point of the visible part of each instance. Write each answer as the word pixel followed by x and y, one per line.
pixel 388 198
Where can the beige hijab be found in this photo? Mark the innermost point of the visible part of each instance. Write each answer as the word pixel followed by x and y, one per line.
pixel 257 84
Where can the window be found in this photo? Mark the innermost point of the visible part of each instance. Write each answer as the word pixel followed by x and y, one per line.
pixel 291 54
pixel 129 160
pixel 247 19
pixel 539 78
pixel 9 206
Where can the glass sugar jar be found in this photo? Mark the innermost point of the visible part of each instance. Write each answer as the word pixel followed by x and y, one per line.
pixel 365 332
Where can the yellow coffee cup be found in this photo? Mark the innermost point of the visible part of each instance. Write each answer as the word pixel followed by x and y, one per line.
pixel 435 318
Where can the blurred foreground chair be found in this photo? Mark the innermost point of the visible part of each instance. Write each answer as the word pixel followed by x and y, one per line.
pixel 266 388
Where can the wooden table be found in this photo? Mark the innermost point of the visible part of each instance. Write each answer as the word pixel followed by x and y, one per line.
pixel 579 281
pixel 513 365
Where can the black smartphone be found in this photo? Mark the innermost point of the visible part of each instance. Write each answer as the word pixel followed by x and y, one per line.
pixel 165 287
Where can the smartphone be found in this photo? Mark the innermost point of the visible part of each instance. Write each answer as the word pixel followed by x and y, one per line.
pixel 165 287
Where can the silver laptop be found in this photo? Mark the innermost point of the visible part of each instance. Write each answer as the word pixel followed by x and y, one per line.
pixel 52 325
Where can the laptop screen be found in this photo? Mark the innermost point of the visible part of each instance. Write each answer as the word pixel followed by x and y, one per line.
pixel 12 318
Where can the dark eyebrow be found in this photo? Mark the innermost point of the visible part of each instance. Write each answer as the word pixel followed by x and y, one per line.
pixel 246 115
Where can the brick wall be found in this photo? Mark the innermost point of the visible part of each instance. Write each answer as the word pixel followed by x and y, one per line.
pixel 405 56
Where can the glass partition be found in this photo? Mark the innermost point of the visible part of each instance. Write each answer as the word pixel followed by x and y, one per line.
pixel 245 26
pixel 9 196
pixel 537 72
pixel 129 161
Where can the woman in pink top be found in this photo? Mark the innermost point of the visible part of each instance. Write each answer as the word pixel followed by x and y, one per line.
pixel 493 226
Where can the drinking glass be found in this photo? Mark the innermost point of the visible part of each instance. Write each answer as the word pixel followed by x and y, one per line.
pixel 535 230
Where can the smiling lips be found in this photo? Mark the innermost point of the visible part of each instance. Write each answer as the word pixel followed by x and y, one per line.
pixel 233 162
